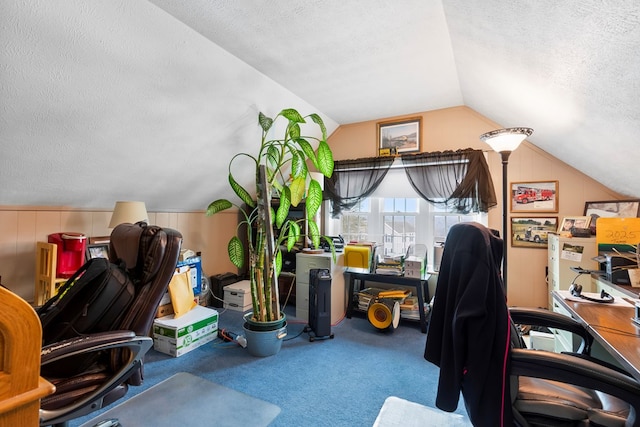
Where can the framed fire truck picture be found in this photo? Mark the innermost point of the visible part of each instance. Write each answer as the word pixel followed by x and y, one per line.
pixel 532 232
pixel 534 197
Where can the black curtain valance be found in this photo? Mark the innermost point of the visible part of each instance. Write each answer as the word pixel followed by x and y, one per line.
pixel 354 180
pixel 460 179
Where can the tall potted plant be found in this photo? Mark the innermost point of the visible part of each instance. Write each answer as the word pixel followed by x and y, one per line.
pixel 281 171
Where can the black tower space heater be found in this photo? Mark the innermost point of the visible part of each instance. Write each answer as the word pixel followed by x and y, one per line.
pixel 319 304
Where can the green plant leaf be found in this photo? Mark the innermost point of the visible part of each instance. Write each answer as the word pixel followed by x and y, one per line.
pixel 314 198
pixel 297 187
pixel 318 120
pixel 236 252
pixel 298 166
pixel 265 122
pixel 293 235
pixel 332 246
pixel 314 232
pixel 241 192
pixel 277 262
pixel 272 213
pixel 273 156
pixel 218 206
pixel 283 208
pixel 292 115
pixel 294 131
pixel 278 187
pixel 325 159
pixel 307 149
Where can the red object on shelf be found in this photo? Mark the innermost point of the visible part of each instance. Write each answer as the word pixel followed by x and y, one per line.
pixel 71 249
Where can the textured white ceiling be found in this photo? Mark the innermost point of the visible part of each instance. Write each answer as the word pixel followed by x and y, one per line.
pixel 354 60
pixel 136 88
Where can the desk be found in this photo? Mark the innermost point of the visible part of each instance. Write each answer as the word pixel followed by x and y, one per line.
pixel 611 327
pixel 418 284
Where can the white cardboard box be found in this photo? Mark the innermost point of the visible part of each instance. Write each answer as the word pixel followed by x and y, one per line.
pixel 414 267
pixel 237 296
pixel 176 337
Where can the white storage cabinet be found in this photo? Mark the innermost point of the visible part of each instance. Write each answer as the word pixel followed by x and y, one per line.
pixel 564 253
pixel 306 262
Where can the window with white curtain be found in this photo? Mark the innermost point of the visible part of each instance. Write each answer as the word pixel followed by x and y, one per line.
pixel 395 217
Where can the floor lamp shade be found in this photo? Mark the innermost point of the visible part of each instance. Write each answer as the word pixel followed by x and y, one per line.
pixel 128 212
pixel 506 140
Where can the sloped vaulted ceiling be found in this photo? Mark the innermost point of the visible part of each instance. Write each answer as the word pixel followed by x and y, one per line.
pixel 140 84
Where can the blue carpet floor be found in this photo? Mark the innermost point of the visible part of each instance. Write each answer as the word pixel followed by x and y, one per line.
pixel 334 382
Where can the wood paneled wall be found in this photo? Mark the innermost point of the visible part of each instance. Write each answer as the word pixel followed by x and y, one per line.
pixel 21 227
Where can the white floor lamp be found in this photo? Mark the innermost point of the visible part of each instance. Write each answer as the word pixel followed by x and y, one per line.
pixel 505 141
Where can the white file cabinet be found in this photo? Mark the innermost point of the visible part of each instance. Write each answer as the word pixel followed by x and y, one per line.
pixel 306 262
pixel 567 252
pixel 564 253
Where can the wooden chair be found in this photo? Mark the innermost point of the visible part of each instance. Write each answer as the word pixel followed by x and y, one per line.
pixel 21 386
pixel 46 281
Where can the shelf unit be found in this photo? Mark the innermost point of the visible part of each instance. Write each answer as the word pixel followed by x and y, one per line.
pixel 357 282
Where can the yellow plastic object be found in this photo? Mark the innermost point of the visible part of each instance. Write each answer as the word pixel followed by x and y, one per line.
pixel 384 313
pixel 357 256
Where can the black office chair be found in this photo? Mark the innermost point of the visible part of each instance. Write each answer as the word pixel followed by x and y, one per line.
pixel 150 254
pixel 474 341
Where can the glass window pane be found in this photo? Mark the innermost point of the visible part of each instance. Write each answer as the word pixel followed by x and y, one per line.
pixel 439 228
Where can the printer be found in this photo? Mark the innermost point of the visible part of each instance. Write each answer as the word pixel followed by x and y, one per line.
pixel 616 267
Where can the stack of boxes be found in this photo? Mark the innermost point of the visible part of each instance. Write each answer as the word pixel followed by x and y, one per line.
pixel 199 326
pixel 414 267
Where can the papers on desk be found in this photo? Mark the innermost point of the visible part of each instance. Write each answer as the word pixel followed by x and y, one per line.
pixel 617 301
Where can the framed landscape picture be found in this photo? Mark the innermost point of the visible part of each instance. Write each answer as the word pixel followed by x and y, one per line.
pixel 532 232
pixel 400 136
pixel 534 197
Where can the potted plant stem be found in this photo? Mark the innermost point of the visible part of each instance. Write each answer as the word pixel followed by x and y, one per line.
pixel 281 171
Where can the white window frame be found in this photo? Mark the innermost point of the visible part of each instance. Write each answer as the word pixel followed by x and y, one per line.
pixel 425 227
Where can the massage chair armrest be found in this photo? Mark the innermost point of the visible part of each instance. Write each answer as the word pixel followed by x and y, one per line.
pixel 578 371
pixel 82 344
pixel 550 319
pixel 138 346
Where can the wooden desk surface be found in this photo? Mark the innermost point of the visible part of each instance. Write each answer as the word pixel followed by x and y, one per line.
pixel 612 327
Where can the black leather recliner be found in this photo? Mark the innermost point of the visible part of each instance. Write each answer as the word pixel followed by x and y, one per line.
pixel 150 254
pixel 546 389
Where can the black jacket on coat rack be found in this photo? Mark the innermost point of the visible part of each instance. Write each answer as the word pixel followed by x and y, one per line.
pixel 469 329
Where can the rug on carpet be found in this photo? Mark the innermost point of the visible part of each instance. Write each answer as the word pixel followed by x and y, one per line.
pixel 397 412
pixel 185 399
